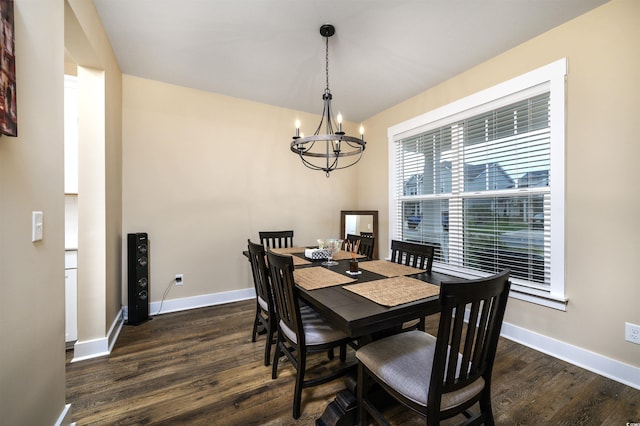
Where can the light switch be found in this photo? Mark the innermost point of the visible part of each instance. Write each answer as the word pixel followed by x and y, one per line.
pixel 36 226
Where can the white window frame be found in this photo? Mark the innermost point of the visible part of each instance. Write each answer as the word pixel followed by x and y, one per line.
pixel 552 78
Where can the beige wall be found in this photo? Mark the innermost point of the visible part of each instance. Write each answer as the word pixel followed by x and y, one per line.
pixel 32 382
pixel 602 152
pixel 204 172
pixel 100 171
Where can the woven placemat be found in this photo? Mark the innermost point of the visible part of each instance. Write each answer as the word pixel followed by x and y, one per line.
pixel 318 277
pixel 394 291
pixel 389 269
pixel 297 261
pixel 288 250
pixel 342 255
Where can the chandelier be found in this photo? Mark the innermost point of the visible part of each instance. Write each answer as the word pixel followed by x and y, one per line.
pixel 333 149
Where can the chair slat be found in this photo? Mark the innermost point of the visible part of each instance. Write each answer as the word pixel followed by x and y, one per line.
pixel 276 239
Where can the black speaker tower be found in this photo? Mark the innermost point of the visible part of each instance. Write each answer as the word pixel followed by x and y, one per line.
pixel 138 264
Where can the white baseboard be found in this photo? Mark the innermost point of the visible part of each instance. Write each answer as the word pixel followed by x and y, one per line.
pixel 64 419
pixel 95 348
pixel 599 364
pixel 201 301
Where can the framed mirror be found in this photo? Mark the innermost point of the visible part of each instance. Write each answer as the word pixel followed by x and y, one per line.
pixel 360 222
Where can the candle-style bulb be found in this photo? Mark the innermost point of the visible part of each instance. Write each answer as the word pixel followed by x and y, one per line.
pixel 297 128
pixel 339 118
pixel 361 131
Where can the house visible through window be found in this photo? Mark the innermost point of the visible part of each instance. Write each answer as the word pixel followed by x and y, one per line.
pixel 482 180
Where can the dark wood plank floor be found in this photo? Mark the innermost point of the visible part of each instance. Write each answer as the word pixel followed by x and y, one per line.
pixel 200 367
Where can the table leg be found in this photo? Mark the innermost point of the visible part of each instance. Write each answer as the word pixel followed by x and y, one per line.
pixel 342 411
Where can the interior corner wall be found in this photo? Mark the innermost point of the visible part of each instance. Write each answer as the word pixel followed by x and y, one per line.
pixel 32 370
pixel 202 173
pixel 602 242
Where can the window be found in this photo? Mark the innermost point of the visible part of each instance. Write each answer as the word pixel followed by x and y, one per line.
pixel 482 179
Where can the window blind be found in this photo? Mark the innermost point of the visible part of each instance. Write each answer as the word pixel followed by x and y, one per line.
pixel 478 189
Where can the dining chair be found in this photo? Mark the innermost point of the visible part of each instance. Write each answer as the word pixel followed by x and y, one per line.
pixel 276 239
pixel 441 376
pixel 412 254
pixel 301 330
pixel 365 247
pixel 367 234
pixel 419 256
pixel 265 309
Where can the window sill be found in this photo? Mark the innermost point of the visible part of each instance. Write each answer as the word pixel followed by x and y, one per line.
pixel 548 301
pixel 519 292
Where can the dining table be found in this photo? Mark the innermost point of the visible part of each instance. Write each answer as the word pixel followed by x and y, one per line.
pixel 374 302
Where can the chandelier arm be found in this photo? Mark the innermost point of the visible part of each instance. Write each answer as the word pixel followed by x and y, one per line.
pixel 317 132
pixel 356 145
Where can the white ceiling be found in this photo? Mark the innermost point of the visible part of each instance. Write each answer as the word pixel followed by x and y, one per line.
pixel 271 51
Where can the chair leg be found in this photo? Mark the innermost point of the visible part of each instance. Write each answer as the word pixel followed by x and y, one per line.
pixel 297 395
pixel 486 412
pixel 422 324
pixel 267 346
pixel 343 352
pixel 361 395
pixel 255 327
pixel 330 354
pixel 276 358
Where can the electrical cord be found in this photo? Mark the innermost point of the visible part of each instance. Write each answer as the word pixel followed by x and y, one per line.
pixel 164 295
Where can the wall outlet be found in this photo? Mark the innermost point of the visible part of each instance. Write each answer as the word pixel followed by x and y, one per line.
pixel 179 279
pixel 632 333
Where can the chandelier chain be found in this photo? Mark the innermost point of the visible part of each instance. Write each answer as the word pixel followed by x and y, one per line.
pixel 327 60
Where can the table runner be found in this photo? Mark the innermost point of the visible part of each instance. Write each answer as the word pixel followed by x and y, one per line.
pixel 318 277
pixel 394 291
pixel 389 269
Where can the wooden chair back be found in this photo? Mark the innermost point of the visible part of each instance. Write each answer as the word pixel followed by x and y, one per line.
pixel 260 273
pixel 266 315
pixel 412 254
pixel 276 239
pixel 466 352
pixel 285 295
pixel 366 244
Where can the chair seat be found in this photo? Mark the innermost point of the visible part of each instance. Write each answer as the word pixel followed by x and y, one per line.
pixel 316 329
pixel 263 303
pixel 404 362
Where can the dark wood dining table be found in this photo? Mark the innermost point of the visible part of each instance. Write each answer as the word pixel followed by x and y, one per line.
pixel 360 317
pixel 363 320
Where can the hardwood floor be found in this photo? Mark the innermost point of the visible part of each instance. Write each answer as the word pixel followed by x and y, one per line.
pixel 200 367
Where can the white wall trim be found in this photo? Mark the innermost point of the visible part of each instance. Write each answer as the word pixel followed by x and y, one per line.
pixel 99 347
pixel 596 363
pixel 65 416
pixel 599 364
pixel 200 301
